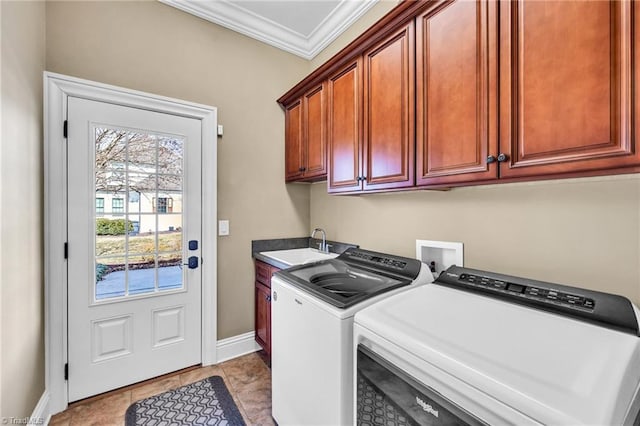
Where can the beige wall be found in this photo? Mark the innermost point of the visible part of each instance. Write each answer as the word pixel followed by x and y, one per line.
pixel 21 254
pixel 155 48
pixel 582 232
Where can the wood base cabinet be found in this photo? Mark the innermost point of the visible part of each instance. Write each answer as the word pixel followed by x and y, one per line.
pixel 263 305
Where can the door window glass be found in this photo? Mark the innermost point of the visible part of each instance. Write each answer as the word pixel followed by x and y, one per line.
pixel 138 212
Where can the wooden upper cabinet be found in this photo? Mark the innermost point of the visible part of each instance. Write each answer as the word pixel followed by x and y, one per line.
pixel 456 92
pixel 293 141
pixel 345 128
pixel 389 131
pixel 371 117
pixel 305 138
pixel 315 135
pixel 566 86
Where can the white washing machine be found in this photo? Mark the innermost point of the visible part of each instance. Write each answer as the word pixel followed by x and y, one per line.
pixel 312 330
pixel 482 348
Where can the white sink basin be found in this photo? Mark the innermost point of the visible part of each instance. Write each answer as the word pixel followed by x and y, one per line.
pixel 298 256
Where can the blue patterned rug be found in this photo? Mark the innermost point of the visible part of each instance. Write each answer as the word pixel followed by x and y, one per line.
pixel 207 402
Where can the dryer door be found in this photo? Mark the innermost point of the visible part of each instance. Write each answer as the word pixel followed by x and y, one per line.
pixel 387 393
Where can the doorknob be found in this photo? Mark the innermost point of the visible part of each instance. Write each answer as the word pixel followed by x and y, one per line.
pixel 193 262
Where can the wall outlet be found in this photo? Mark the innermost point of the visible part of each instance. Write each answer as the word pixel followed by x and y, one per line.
pixel 223 227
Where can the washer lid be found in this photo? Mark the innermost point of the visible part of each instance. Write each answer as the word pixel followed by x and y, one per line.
pixel 340 283
pixel 555 369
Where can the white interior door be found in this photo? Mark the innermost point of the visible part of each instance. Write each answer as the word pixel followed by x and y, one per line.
pixel 134 231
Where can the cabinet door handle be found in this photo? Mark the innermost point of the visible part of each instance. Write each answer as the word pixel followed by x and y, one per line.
pixel 302 169
pixel 503 157
pixel 267 298
pixel 491 159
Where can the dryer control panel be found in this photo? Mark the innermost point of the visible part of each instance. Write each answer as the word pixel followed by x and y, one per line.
pixel 603 309
pixel 551 295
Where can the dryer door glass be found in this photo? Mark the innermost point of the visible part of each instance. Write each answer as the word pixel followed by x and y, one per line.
pixel 389 396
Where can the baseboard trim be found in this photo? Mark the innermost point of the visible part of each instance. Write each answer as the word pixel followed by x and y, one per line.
pixel 41 414
pixel 235 346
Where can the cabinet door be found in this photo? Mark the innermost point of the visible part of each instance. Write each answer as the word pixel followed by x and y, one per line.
pixel 263 317
pixel 345 130
pixel 293 141
pixel 314 141
pixel 389 131
pixel 566 74
pixel 456 93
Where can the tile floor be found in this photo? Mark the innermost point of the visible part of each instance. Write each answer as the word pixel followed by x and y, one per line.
pixel 248 379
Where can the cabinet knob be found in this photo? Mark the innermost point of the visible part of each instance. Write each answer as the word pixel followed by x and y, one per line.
pixel 361 178
pixel 491 159
pixel 302 169
pixel 267 298
pixel 503 157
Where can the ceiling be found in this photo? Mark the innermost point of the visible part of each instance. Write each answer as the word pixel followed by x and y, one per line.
pixel 301 27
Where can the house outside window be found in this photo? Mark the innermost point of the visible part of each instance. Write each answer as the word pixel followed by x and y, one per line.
pixel 117 205
pixel 163 205
pixel 99 205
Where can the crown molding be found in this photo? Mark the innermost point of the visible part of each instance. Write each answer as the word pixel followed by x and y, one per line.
pixel 235 17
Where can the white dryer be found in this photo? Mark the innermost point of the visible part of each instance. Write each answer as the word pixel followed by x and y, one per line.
pixel 482 348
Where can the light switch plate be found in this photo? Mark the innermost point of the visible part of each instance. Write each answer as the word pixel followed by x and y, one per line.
pixel 223 227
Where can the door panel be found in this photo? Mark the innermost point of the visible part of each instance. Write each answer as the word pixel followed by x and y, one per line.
pixel 566 75
pixel 263 316
pixel 389 148
pixel 345 134
pixel 134 201
pixel 456 98
pixel 315 136
pixel 293 141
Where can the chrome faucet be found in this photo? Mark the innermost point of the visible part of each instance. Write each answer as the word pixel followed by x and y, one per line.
pixel 323 247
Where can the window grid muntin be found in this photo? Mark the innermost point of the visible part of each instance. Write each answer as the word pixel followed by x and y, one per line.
pixel 99 205
pixel 123 169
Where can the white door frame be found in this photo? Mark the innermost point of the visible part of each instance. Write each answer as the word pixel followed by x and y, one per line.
pixel 57 88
